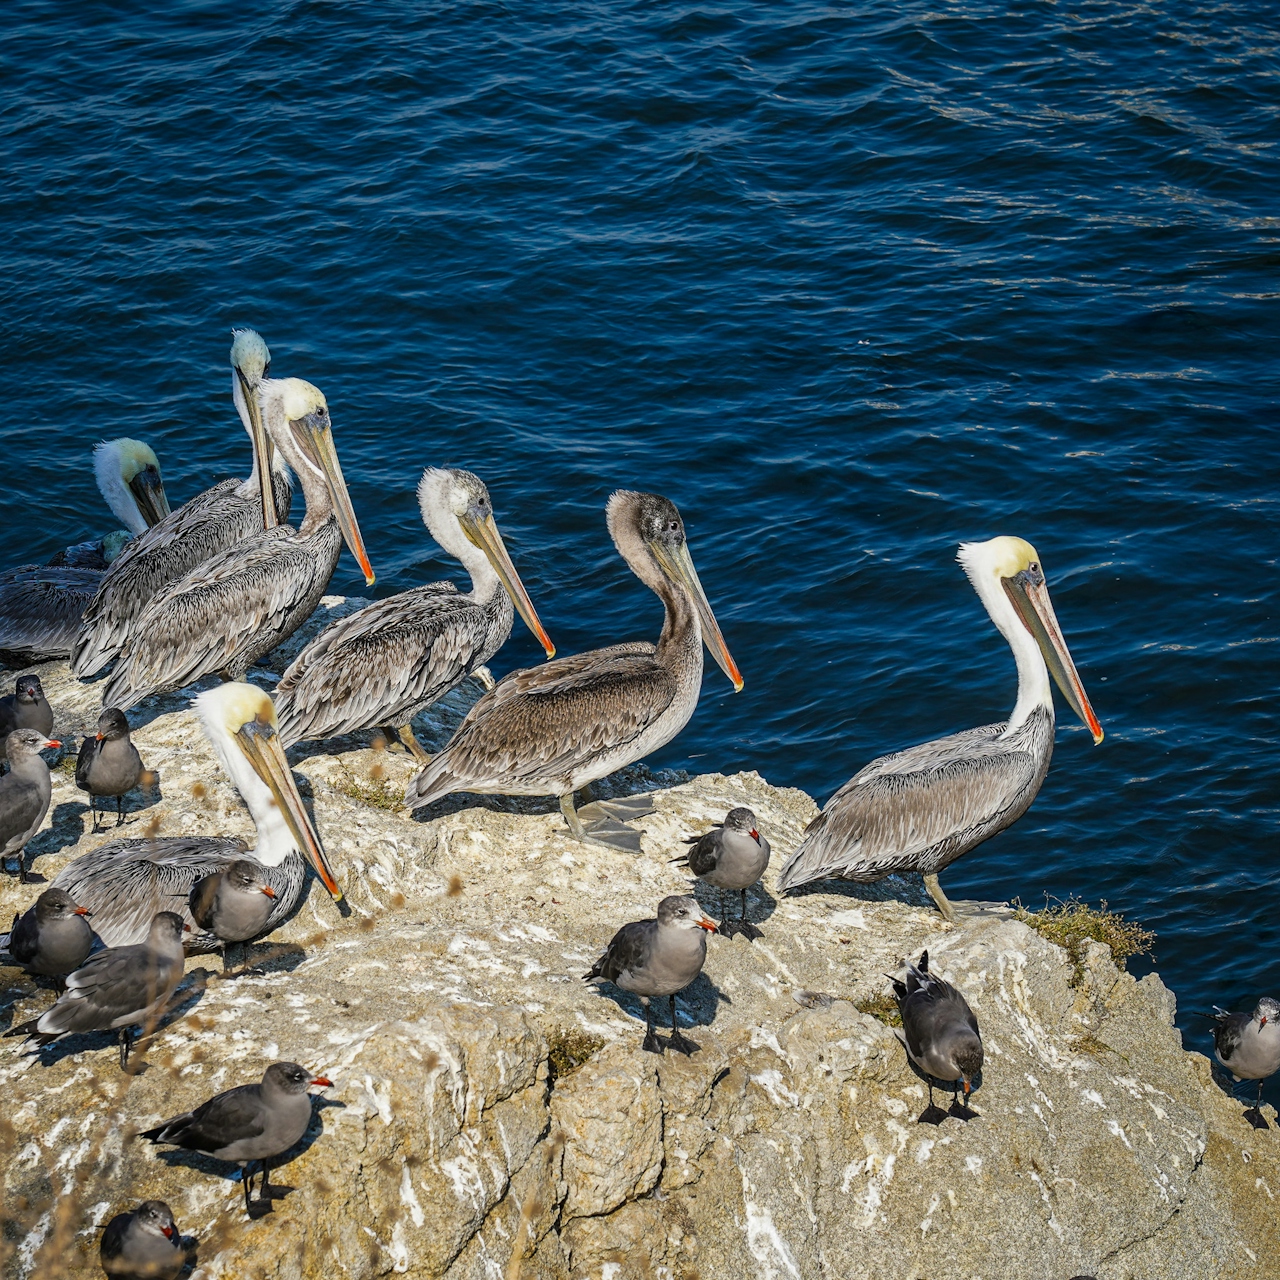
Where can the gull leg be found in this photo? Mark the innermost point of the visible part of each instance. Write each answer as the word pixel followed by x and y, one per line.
pixel 245 1179
pixel 93 809
pixel 932 1114
pixel 961 1110
pixel 119 810
pixel 746 928
pixel 1254 1114
pixel 651 1042
pixel 406 735
pixel 935 892
pixel 679 1043
pixel 124 1048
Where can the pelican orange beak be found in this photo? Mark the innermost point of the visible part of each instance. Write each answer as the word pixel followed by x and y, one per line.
pixel 677 564
pixel 1029 595
pixel 263 451
pixel 483 533
pixel 148 492
pixel 315 435
pixel 261 746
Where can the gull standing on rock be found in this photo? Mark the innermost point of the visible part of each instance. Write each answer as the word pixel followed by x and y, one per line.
pixel 212 521
pixel 25 792
pixel 655 958
pixel 231 610
pixel 52 938
pixel 940 1035
pixel 143 1244
pixel 109 763
pixel 126 882
pixel 922 808
pixel 116 989
pixel 234 904
pixel 252 1122
pixel 548 730
pixel 395 657
pixel 1248 1045
pixel 41 605
pixel 732 855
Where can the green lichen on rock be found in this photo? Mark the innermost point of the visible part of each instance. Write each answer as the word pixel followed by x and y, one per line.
pixel 885 1008
pixel 568 1048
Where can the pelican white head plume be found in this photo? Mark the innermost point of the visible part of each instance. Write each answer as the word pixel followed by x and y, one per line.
pixel 250 364
pixel 295 416
pixel 128 475
pixel 457 511
pixel 240 722
pixel 1006 573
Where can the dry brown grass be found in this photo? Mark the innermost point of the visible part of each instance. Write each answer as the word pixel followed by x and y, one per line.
pixel 883 1007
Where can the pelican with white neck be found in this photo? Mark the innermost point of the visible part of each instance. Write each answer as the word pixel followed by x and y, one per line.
pixel 123 884
pixel 922 808
pixel 213 520
pixel 230 611
pixel 393 659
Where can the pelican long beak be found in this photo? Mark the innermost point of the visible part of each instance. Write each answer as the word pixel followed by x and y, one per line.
pixel 261 745
pixel 316 438
pixel 263 452
pixel 678 566
pixel 484 534
pixel 1030 597
pixel 148 492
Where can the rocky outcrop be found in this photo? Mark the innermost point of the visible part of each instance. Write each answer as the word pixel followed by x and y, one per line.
pixel 492 1117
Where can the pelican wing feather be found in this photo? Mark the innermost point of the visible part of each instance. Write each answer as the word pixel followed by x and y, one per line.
pixel 124 883
pixel 918 809
pixel 543 722
pixel 223 615
pixel 41 607
pixel 385 663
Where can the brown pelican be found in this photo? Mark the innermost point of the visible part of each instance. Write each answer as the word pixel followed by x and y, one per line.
pixel 212 521
pixel 225 614
pixel 546 731
pixel 124 883
pixel 41 605
pixel 396 657
pixel 922 808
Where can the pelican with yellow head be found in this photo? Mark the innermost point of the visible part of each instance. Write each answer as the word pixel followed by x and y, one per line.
pixel 231 610
pixel 922 808
pixel 123 884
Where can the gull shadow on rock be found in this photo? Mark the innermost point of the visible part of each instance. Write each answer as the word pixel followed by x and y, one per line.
pixel 934 1114
pixel 725 905
pixel 65 828
pixel 696 1006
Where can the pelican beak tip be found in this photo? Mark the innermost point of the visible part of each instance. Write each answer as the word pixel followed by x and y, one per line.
pixel 370 578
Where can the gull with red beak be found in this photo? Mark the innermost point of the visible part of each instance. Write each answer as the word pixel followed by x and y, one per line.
pixel 229 611
pixel 145 1242
pixel 124 883
pixel 922 808
pixel 1248 1045
pixel 656 958
pixel 252 1122
pixel 549 730
pixel 233 904
pixel 732 855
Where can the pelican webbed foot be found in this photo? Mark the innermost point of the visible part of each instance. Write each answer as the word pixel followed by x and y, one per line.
pixel 604 821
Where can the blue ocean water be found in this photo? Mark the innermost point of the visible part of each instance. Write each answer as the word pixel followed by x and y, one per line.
pixel 849 282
